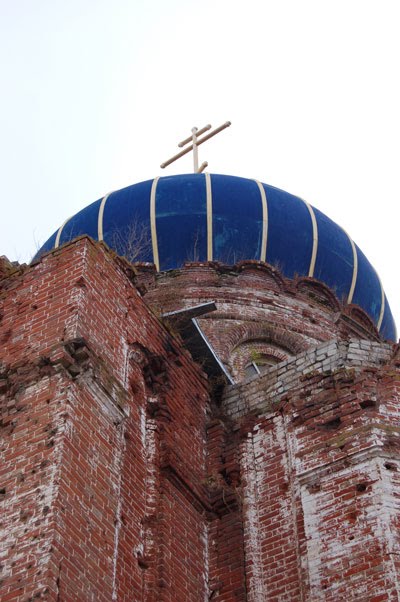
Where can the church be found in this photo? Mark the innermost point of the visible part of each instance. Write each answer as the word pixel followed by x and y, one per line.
pixel 200 400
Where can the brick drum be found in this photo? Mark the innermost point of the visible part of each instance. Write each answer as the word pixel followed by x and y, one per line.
pixel 129 473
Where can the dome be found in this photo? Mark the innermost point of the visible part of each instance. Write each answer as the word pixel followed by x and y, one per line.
pixel 205 217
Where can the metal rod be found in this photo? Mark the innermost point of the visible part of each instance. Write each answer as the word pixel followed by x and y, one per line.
pixel 195 151
pixel 189 148
pixel 175 157
pixel 216 131
pixel 199 133
pixel 202 167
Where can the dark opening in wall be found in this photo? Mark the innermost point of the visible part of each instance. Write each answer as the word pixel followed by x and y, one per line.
pixel 332 424
pixel 367 404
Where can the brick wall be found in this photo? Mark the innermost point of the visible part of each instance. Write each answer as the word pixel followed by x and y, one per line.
pixel 319 465
pixel 255 305
pixel 103 426
pixel 122 478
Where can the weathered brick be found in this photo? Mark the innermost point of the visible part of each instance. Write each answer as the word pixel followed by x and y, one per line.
pixel 123 478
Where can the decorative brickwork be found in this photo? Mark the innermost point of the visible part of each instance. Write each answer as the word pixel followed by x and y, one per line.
pixel 256 304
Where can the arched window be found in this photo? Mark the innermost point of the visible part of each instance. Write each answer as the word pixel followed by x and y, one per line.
pixel 254 357
pixel 260 364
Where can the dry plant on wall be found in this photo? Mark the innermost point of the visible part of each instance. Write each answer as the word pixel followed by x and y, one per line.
pixel 133 242
pixel 255 355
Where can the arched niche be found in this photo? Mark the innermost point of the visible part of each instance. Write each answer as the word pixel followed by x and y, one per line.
pixel 317 292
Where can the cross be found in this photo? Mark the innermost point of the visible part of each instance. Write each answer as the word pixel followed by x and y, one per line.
pixel 196 141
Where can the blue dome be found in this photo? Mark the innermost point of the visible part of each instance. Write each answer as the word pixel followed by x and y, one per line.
pixel 200 217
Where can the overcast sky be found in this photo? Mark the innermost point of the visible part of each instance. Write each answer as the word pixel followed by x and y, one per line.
pixel 95 94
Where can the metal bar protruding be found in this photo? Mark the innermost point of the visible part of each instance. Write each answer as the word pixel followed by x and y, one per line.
pixel 202 167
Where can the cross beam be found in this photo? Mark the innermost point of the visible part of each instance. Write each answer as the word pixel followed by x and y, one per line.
pixel 196 141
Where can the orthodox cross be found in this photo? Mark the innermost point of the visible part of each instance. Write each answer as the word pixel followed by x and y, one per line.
pixel 196 141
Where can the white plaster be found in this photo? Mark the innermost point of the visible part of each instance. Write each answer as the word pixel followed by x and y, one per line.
pixel 117 470
pixel 312 526
pixel 250 450
pixel 206 570
pixel 142 414
pixel 13 531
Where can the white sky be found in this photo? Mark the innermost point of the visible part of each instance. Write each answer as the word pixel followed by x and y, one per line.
pixel 95 94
